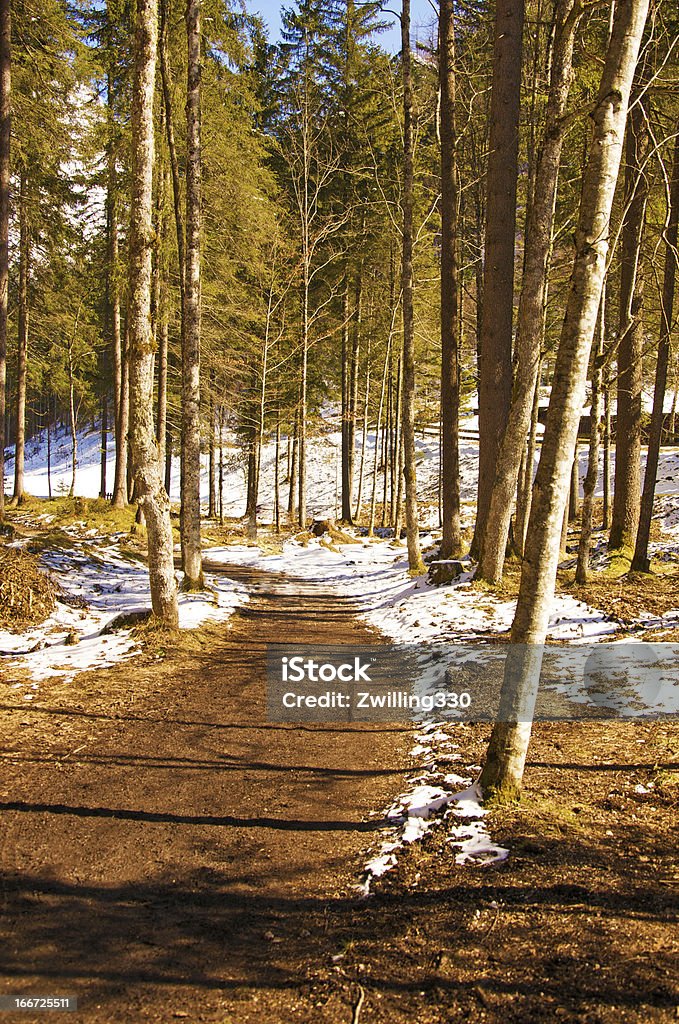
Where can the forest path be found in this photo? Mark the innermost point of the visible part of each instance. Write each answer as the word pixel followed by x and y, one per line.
pixel 168 852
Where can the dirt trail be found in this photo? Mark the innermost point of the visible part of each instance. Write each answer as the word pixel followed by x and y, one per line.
pixel 165 850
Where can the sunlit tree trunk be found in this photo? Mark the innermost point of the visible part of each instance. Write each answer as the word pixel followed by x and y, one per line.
pixel 503 771
pixel 495 356
pixel 22 340
pixel 592 475
pixel 493 541
pixel 190 451
pixel 408 400
pixel 641 561
pixel 450 369
pixel 627 483
pixel 150 492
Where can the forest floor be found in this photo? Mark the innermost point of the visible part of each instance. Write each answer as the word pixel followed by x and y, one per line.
pixel 167 854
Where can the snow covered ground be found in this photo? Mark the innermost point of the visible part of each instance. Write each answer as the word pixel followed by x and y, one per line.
pixel 323 470
pixel 404 609
pixel 434 796
pixel 324 451
pixel 99 585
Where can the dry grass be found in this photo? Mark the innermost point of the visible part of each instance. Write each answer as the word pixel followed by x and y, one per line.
pixel 27 594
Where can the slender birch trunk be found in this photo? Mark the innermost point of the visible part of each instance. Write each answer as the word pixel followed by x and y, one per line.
pixel 72 414
pixel 49 446
pixel 364 428
pixel 524 495
pixel 190 448
pixel 503 771
pixel 378 424
pixel 103 454
pixel 592 475
pixel 451 542
pixel 221 464
pixel 22 341
pixel 120 393
pixel 408 399
pixel 606 513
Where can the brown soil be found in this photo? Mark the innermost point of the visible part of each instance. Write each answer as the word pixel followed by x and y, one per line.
pixel 578 924
pixel 167 853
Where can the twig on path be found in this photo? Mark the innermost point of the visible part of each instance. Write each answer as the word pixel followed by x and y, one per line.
pixel 358 1005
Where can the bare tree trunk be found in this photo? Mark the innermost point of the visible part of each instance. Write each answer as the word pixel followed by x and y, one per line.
pixel 49 446
pixel 120 486
pixel 212 492
pixel 606 515
pixel 524 496
pixel 161 413
pixel 277 476
pixel 163 319
pixel 503 771
pixel 72 417
pixel 294 462
pixel 495 357
pixel 592 475
pixel 221 464
pixel 190 476
pixel 627 486
pixel 355 359
pixel 366 402
pixel 393 414
pixel 301 424
pixel 22 342
pixel 150 492
pixel 451 542
pixel 5 136
pixel 408 401
pixel 386 431
pixel 398 502
pixel 345 435
pixel 574 490
pixel 493 542
pixel 641 561
pixel 103 456
pixel 168 462
pixel 172 148
pixel 118 357
pixel 378 424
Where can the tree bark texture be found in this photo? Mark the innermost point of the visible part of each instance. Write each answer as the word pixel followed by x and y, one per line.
pixel 503 770
pixel 495 356
pixel 190 522
pixel 22 340
pixel 151 494
pixel 641 561
pixel 408 396
pixel 493 541
pixel 627 481
pixel 451 542
pixel 592 475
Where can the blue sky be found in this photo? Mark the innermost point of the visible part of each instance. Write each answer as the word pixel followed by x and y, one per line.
pixel 421 14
